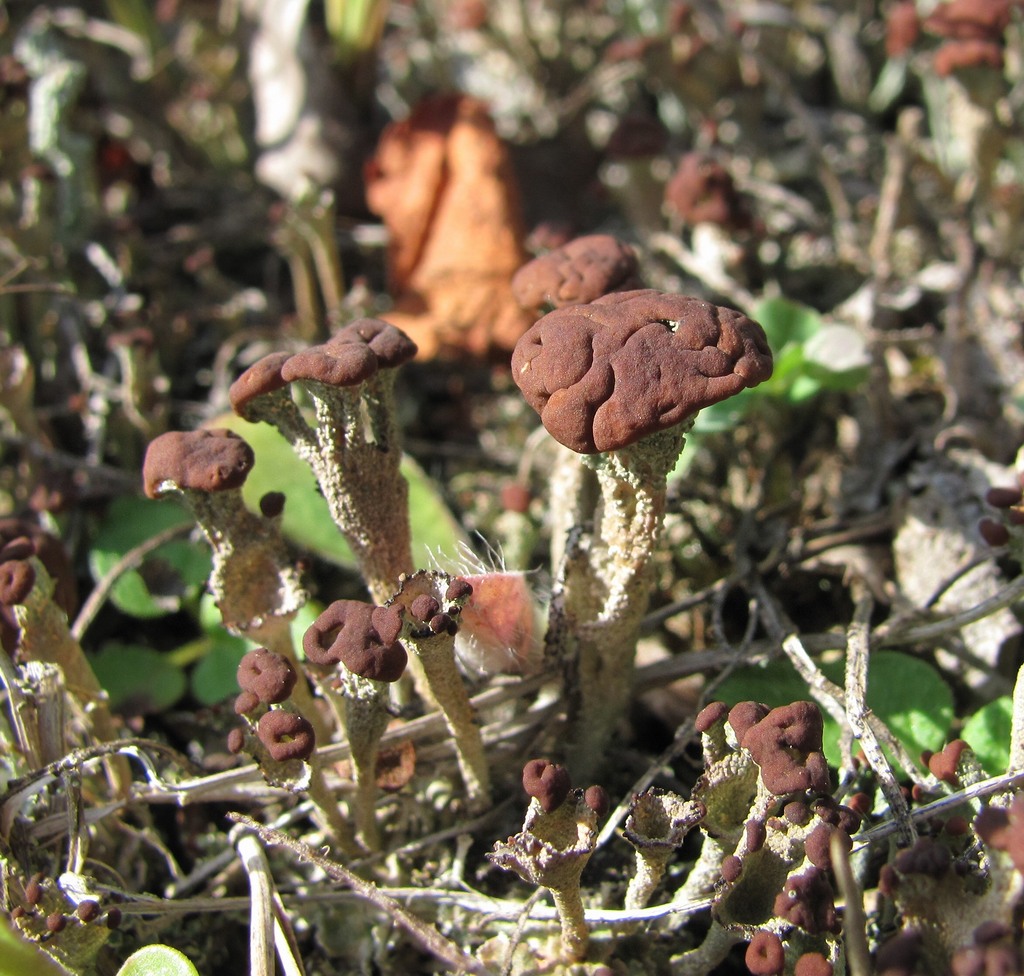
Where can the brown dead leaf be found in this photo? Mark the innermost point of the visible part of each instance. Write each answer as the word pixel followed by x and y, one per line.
pixel 443 184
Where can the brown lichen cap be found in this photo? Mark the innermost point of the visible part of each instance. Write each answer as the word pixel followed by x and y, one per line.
pixel 580 271
pixel 267 675
pixel 352 355
pixel 262 377
pixel 1003 830
pixel 199 460
pixel 807 901
pixel 977 20
pixel 786 745
pixel 17 577
pixel 547 782
pixel 702 191
pixel 359 635
pixel 605 375
pixel 286 735
pixel 765 954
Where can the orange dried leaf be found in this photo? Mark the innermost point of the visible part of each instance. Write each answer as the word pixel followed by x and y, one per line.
pixel 443 184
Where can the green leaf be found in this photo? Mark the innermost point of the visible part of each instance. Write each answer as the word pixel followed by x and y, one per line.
pixel 23 958
pixel 987 732
pixel 157 960
pixel 306 519
pixel 786 322
pixel 138 678
pixel 906 693
pixel 215 677
pixel 170 575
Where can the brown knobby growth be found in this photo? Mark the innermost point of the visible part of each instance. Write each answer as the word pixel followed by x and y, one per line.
pixel 201 461
pixel 973 31
pixel 765 955
pixel 20 541
pixel 547 782
pixel 786 745
pixel 701 190
pixel 286 735
pixel 443 183
pixel 902 28
pixel 362 637
pixel 269 676
pixel 605 375
pixel 580 271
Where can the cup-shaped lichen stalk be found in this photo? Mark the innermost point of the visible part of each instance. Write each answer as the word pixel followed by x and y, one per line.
pixel 254 582
pixel 432 603
pixel 620 381
pixel 360 641
pixel 354 448
pixel 656 826
pixel 558 837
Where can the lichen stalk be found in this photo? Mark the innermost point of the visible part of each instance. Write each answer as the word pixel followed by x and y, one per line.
pixel 254 584
pixel 366 718
pixel 575 934
pixel 437 657
pixel 358 468
pixel 605 595
pixel 552 850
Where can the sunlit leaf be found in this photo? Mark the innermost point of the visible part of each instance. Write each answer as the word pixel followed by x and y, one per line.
pixel 21 958
pixel 138 679
pixel 170 575
pixel 157 960
pixel 988 733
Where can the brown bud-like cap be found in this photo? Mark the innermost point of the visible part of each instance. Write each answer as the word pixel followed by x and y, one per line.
pixel 352 355
pixel 605 375
pixel 267 675
pixel 547 782
pixel 813 964
pixel 943 765
pixel 286 735
pixel 710 715
pixel 701 190
pixel 927 857
pixel 262 377
pixel 458 589
pixel 236 740
pixel 359 635
pixel 272 504
pixel 765 954
pixel 16 581
pixel 578 272
pixel 424 607
pixel 786 745
pixel 596 797
pixel 980 20
pixel 807 900
pixel 732 868
pixel 743 715
pixel 56 922
pixel 88 910
pixel 198 460
pixel 245 702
